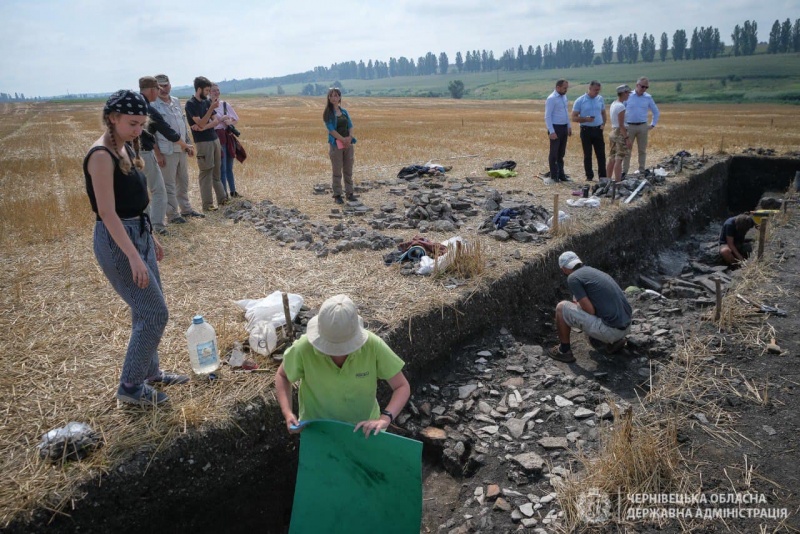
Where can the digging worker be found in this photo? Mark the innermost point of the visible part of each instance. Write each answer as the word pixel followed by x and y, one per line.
pixel 599 308
pixel 556 118
pixel 339 363
pixel 731 238
pixel 589 110
pixel 639 103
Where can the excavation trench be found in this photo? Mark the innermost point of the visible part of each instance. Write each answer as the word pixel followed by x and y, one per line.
pixel 242 479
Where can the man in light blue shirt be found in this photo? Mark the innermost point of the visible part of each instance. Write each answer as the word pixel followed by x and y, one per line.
pixel 589 110
pixel 636 109
pixel 556 118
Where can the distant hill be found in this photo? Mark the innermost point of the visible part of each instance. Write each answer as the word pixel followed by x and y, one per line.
pixel 756 78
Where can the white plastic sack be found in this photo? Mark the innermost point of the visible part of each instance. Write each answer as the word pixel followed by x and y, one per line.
pixel 427 264
pixel 263 338
pixel 270 309
pixel 592 202
pixel 660 172
pixel 562 218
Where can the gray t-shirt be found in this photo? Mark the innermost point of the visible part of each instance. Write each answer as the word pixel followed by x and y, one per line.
pixel 605 295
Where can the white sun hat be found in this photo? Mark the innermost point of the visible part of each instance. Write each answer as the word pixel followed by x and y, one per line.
pixel 337 329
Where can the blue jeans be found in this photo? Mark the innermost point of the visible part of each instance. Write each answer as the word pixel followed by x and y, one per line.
pixel 227 172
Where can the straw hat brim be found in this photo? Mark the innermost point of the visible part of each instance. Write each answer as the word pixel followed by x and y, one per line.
pixel 336 349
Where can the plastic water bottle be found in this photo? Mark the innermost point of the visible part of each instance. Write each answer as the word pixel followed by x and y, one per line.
pixel 202 342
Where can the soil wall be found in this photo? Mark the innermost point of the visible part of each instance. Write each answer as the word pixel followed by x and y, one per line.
pixel 241 479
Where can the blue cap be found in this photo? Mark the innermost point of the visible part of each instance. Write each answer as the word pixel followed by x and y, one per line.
pixel 197 319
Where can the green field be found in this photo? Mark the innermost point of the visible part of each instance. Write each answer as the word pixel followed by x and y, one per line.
pixel 757 78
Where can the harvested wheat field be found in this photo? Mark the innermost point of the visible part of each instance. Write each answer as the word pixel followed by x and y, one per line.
pixel 65 330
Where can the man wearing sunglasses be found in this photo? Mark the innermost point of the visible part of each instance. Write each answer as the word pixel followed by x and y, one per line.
pixel 636 110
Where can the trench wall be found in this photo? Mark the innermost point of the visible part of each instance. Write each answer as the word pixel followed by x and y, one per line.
pixel 241 479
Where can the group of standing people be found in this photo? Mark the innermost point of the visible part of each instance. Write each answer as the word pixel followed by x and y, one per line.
pixel 629 123
pixel 165 146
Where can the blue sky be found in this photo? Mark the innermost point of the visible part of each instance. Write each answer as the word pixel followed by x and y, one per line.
pixel 54 47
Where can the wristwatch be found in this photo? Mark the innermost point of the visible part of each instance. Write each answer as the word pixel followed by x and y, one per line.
pixel 389 414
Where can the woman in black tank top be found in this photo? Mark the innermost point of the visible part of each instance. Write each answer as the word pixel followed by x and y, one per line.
pixel 123 244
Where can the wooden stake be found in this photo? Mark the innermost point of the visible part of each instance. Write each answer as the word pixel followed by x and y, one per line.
pixel 718 289
pixel 288 315
pixel 762 236
pixel 555 214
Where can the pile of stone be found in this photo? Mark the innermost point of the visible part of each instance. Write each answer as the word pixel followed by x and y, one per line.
pixel 443 210
pixel 528 225
pixel 624 187
pixel 290 227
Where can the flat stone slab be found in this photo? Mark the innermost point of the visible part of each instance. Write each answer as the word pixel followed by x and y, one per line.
pixel 553 443
pixel 529 461
pixel 466 391
pixel 583 413
pixel 561 402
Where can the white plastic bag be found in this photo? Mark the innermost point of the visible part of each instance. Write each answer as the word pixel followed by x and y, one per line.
pixel 562 218
pixel 270 309
pixel 427 264
pixel 263 338
pixel 592 202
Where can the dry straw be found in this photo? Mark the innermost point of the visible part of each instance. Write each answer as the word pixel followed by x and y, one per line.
pixel 65 330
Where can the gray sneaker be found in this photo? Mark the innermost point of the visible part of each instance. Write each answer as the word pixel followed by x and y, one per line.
pixel 177 220
pixel 143 395
pixel 168 379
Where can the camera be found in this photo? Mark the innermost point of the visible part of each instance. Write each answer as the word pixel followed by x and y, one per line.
pixel 232 129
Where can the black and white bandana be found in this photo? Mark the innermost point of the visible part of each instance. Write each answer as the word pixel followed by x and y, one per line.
pixel 126 102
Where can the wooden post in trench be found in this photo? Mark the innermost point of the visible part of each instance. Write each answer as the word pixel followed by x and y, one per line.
pixel 555 214
pixel 762 236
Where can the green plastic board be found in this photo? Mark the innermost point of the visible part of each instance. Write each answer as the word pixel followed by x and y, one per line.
pixel 350 484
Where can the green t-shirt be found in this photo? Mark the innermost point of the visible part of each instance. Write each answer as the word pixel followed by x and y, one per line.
pixel 346 394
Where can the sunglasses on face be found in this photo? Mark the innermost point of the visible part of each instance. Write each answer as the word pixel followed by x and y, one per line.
pixel 644 86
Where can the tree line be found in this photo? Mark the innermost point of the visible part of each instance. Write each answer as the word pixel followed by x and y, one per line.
pixel 703 43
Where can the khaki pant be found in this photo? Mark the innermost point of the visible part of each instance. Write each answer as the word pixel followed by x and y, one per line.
pixel 342 160
pixel 619 146
pixel 209 161
pixel 176 181
pixel 592 325
pixel 638 133
pixel 157 209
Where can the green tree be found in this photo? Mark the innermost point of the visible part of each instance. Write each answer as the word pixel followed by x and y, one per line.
pixel 736 36
pixel 456 88
pixel 664 48
pixel 620 49
pixel 749 38
pixel 796 36
pixel 785 41
pixel 280 90
pixel 774 38
pixel 678 44
pixel 459 62
pixel 607 50
pixel 444 63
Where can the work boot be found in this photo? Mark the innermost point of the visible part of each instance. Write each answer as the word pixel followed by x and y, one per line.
pixel 556 354
pixel 615 347
pixel 338 199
